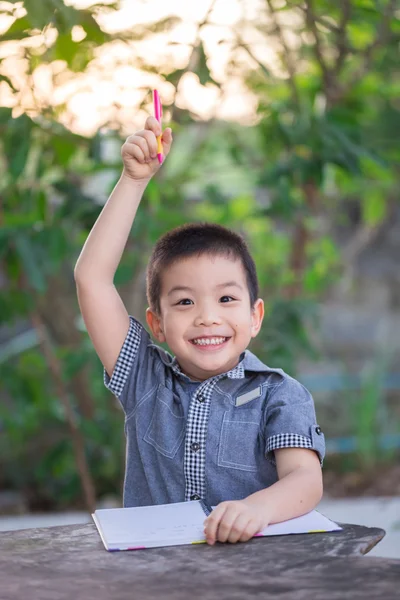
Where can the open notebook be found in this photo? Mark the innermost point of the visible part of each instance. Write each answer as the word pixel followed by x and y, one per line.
pixel 181 523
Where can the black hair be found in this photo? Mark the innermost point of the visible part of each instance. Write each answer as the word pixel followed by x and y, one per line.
pixel 196 239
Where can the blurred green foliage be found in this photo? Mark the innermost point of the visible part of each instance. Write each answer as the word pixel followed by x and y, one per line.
pixel 328 114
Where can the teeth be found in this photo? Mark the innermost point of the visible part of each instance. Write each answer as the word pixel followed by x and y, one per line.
pixel 209 341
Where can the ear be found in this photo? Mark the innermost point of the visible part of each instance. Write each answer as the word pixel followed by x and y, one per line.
pixel 257 315
pixel 155 324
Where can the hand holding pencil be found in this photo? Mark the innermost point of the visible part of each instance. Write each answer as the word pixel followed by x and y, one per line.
pixel 145 150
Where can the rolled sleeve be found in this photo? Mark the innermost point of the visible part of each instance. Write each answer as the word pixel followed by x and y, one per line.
pixel 291 420
pixel 127 355
pixel 137 368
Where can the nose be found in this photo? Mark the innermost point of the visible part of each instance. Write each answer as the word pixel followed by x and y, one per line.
pixel 207 315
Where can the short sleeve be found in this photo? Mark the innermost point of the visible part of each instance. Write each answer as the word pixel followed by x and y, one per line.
pixel 136 369
pixel 291 420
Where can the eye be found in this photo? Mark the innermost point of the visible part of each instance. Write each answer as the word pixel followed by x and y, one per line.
pixel 184 302
pixel 226 299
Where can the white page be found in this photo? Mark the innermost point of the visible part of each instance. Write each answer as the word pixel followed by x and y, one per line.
pixel 181 523
pixel 312 522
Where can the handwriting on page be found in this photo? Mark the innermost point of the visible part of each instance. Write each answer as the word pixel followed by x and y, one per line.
pixel 168 521
pixel 181 523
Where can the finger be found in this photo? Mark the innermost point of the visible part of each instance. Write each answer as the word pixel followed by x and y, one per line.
pixel 212 523
pixel 250 531
pixel 226 523
pixel 167 140
pixel 151 141
pixel 133 150
pixel 238 528
pixel 153 125
pixel 211 526
pixel 144 146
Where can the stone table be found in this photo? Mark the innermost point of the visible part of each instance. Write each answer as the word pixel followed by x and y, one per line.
pixel 70 562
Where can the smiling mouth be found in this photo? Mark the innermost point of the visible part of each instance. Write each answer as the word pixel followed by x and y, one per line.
pixel 211 343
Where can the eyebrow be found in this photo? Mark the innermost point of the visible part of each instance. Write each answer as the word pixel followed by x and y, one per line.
pixel 183 288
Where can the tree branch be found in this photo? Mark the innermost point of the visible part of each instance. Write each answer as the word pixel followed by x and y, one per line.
pixel 324 22
pixel 311 21
pixel 382 37
pixel 241 44
pixel 287 56
pixel 77 439
pixel 342 45
pixel 193 59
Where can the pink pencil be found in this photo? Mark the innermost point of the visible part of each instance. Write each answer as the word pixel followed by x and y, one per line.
pixel 158 115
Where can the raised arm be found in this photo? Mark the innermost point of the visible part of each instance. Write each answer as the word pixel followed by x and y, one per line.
pixel 102 309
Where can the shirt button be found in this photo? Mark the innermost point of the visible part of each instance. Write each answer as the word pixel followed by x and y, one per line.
pixel 200 399
pixel 195 446
pixel 318 430
pixel 195 497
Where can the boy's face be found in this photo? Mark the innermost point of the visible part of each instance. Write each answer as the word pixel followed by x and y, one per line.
pixel 206 318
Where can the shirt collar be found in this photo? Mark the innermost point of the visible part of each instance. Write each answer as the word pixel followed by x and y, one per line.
pixel 252 363
pixel 248 362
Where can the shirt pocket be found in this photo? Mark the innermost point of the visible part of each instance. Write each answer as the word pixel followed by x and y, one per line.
pixel 240 442
pixel 167 426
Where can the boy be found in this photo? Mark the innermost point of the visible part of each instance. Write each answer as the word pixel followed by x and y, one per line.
pixel 214 422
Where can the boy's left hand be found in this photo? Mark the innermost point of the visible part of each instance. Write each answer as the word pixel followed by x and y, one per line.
pixel 233 521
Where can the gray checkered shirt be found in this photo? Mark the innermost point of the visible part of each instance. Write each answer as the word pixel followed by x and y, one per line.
pixel 212 440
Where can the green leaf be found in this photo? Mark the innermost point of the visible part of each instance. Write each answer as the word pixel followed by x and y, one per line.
pixel 373 206
pixel 30 265
pixel 361 35
pixel 376 170
pixel 18 158
pixel 19 30
pixel 93 32
pixel 201 69
pixel 8 81
pixel 5 115
pixel 175 76
pixel 153 192
pixel 41 205
pixel 77 55
pixel 12 305
pixel 54 246
pixel 65 48
pixel 40 14
pixel 241 207
pixel 64 148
